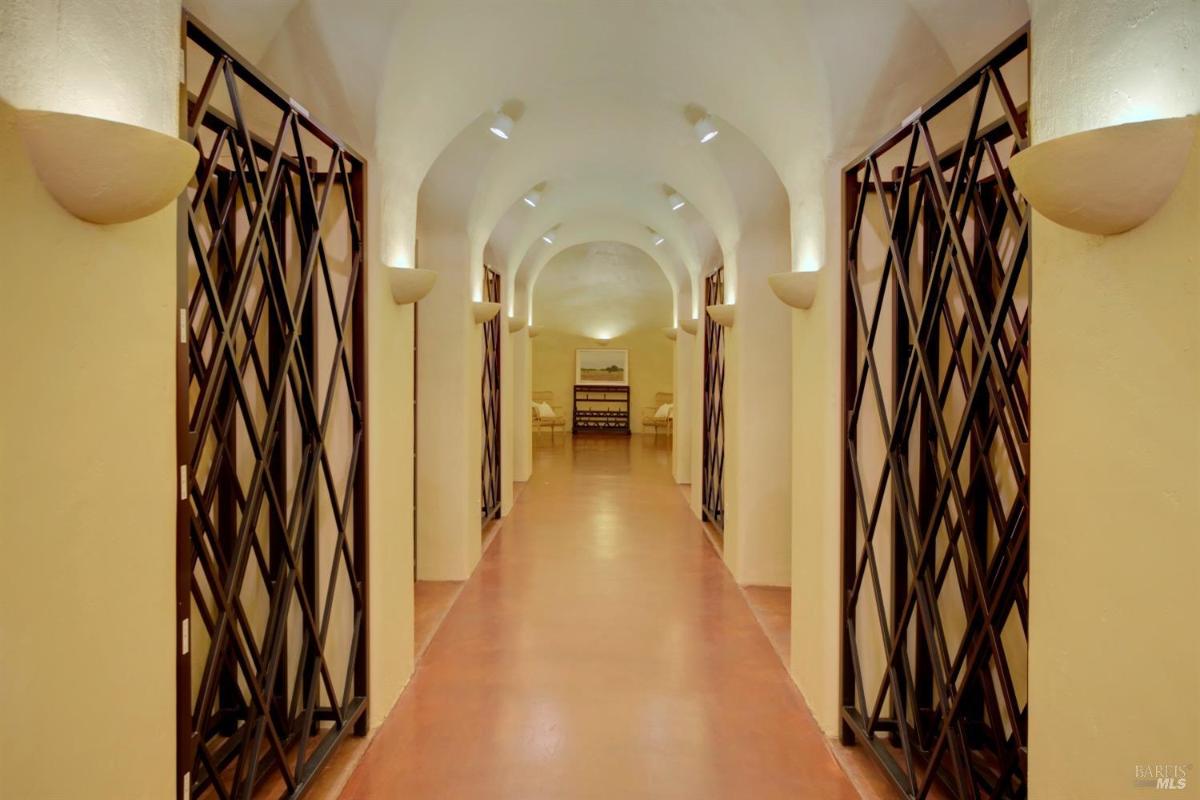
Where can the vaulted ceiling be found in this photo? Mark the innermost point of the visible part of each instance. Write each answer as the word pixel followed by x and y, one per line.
pixel 602 290
pixel 603 95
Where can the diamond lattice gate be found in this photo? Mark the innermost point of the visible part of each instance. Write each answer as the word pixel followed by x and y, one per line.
pixel 491 399
pixel 272 430
pixel 936 472
pixel 713 473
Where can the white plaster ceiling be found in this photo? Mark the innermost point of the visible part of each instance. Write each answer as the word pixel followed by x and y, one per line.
pixel 602 290
pixel 604 94
pixel 247 25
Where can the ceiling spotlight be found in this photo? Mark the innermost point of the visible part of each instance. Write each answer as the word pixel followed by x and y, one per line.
pixel 533 198
pixel 706 130
pixel 548 237
pixel 658 239
pixel 502 125
pixel 677 202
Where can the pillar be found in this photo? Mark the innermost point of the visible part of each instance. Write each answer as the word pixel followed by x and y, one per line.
pixel 522 348
pixel 758 414
pixel 87 439
pixel 507 416
pixel 817 448
pixel 449 414
pixel 685 397
pixel 1114 656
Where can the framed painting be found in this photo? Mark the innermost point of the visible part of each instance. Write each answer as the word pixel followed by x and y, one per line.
pixel 601 367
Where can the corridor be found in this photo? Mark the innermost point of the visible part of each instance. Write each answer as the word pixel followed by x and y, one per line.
pixel 600 650
pixel 377 368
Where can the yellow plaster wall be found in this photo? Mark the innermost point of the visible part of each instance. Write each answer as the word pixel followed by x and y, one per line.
pixel 685 400
pixel 390 445
pixel 87 426
pixel 1115 608
pixel 449 416
pixel 757 404
pixel 816 488
pixel 522 348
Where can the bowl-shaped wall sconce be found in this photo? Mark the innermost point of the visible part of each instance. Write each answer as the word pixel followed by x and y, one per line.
pixel 410 285
pixel 671 333
pixel 722 314
pixel 102 171
pixel 1109 180
pixel 534 330
pixel 516 323
pixel 484 312
pixel 797 289
pixel 690 326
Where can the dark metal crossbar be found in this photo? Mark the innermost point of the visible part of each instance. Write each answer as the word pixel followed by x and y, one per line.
pixel 491 399
pixel 272 432
pixel 713 472
pixel 935 478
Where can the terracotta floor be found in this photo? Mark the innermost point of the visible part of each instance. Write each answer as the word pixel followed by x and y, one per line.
pixel 772 607
pixel 601 650
pixel 431 601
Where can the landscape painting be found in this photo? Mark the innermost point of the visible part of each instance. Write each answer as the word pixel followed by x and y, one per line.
pixel 602 367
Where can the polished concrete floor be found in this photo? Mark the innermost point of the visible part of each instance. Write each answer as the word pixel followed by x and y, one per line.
pixel 600 650
pixel 431 602
pixel 772 607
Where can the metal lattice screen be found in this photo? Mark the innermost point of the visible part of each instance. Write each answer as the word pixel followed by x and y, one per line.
pixel 272 426
pixel 491 399
pixel 713 473
pixel 936 474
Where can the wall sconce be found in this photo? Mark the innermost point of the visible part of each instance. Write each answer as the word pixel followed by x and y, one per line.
pixel 410 285
pixel 722 314
pixel 534 330
pixel 797 289
pixel 102 171
pixel 484 312
pixel 1108 180
pixel 689 326
pixel 671 333
pixel 516 323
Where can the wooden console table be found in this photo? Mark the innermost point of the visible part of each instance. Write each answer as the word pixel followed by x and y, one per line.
pixel 601 409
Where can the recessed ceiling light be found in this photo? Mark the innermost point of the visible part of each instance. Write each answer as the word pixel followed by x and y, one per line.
pixel 706 130
pixel 533 198
pixel 502 125
pixel 677 202
pixel 548 237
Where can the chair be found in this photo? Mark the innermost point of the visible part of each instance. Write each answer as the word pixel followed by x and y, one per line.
pixel 542 421
pixel 657 424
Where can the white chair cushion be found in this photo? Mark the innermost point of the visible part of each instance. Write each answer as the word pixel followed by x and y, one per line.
pixel 544 409
pixel 537 411
pixel 664 411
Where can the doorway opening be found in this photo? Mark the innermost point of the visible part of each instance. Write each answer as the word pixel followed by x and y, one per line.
pixel 272 430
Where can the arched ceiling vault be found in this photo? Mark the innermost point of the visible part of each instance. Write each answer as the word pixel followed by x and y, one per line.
pixel 607 88
pixel 589 228
pixel 604 196
pixel 574 144
pixel 602 290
